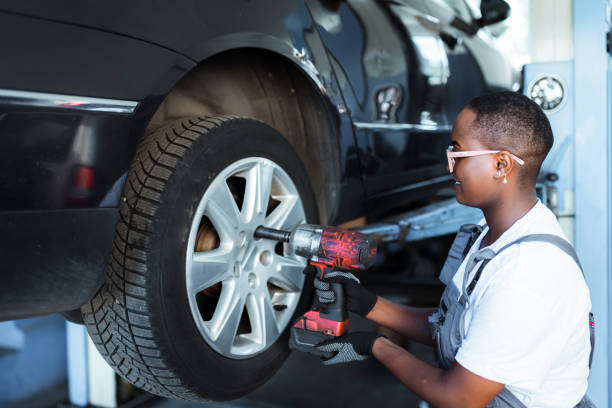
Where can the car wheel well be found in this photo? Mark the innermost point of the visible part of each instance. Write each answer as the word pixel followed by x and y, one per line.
pixel 265 86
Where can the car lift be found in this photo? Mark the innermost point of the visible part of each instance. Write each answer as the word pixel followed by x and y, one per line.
pixel 434 220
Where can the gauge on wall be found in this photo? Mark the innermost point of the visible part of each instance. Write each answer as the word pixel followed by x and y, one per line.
pixel 548 91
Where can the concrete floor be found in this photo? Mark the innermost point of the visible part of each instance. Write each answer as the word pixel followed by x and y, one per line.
pixel 304 382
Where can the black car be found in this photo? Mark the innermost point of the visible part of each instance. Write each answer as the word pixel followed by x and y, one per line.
pixel 143 142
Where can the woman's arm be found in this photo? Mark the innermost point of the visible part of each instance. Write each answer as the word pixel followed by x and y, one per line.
pixel 456 387
pixel 408 321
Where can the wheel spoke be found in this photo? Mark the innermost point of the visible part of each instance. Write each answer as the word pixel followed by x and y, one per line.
pixel 208 268
pixel 262 318
pixel 267 326
pixel 222 210
pixel 257 190
pixel 290 276
pixel 226 318
pixel 287 215
pixel 252 308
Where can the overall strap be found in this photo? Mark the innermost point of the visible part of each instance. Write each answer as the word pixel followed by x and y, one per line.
pixel 550 238
pixel 465 238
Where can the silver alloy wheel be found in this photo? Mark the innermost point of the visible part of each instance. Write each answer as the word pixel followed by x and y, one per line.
pixel 243 291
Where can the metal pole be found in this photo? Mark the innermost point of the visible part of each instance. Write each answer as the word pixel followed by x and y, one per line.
pixel 593 177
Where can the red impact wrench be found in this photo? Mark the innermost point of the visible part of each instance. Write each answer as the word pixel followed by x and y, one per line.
pixel 328 249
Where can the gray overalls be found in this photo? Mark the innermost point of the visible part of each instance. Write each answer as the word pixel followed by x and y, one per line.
pixel 447 324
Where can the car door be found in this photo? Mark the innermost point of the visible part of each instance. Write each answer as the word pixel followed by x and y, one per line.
pixel 392 70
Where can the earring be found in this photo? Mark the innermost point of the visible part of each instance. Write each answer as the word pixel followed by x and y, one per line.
pixel 498 173
pixel 505 180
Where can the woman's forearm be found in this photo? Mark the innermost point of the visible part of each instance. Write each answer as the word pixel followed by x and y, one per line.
pixel 408 321
pixel 418 376
pixel 454 388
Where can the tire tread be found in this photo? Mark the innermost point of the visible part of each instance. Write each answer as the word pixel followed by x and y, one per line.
pixel 118 317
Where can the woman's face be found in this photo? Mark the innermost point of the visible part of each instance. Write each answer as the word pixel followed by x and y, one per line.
pixel 475 184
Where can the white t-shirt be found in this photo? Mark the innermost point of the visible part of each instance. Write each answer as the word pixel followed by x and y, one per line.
pixel 527 323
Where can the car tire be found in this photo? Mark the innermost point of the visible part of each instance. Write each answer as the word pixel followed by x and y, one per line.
pixel 169 317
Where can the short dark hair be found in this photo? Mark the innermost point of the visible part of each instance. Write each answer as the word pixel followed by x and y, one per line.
pixel 511 121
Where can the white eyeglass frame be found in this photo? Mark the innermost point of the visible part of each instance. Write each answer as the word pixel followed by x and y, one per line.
pixel 450 155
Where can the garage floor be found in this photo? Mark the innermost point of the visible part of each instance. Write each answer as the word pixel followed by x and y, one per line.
pixel 304 382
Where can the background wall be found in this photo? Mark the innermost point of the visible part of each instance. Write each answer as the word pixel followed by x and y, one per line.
pixel 551 30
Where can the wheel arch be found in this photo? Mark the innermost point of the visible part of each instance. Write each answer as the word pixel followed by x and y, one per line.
pixel 270 87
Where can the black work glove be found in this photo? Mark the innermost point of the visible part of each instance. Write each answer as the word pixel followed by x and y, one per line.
pixel 358 299
pixel 354 346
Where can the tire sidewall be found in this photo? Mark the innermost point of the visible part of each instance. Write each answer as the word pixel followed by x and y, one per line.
pixel 202 368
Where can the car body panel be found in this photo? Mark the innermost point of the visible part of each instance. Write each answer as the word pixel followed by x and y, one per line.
pixel 52 261
pixel 496 70
pixel 68 59
pixel 393 74
pixel 69 161
pixel 85 67
pixel 189 27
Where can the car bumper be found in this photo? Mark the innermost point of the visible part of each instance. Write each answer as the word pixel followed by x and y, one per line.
pixel 52 261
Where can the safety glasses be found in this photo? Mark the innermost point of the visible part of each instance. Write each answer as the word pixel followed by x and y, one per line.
pixel 450 155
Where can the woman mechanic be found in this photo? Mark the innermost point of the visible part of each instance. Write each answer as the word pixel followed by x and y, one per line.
pixel 512 329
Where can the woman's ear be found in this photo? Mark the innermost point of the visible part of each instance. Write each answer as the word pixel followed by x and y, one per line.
pixel 504 164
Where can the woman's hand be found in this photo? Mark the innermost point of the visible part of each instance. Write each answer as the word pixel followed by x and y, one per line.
pixel 358 299
pixel 353 346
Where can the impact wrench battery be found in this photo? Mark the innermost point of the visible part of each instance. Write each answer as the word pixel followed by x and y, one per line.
pixel 328 249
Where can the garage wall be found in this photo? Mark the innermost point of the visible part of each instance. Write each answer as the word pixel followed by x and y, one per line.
pixel 33 361
pixel 551 30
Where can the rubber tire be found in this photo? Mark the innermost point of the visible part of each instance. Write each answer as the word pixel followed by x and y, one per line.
pixel 140 319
